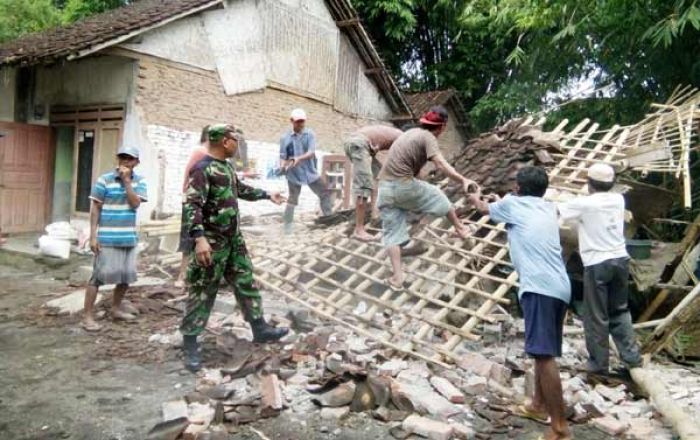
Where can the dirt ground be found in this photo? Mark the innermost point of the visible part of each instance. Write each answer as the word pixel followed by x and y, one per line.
pixel 58 382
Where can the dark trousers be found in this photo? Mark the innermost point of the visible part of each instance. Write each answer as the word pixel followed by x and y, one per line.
pixel 605 295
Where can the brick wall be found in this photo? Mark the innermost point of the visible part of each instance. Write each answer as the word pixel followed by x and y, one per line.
pixel 173 148
pixel 187 99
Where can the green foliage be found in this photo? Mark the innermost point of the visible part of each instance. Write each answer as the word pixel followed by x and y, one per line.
pixel 77 9
pixel 19 17
pixel 511 56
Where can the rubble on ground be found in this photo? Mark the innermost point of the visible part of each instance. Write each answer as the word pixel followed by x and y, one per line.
pixel 326 370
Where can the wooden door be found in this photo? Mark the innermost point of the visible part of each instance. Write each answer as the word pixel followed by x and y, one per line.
pixel 26 155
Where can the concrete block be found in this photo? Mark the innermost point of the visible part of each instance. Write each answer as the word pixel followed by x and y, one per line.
pixel 271 392
pixel 174 410
pixel 71 303
pixel 475 385
pixel 615 395
pixel 338 413
pixel 449 391
pixel 426 427
pixel 610 425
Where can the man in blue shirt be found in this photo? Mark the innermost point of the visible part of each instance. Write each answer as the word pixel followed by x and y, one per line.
pixel 545 290
pixel 115 198
pixel 298 155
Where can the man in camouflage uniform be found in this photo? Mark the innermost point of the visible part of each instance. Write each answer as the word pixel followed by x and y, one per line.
pixel 212 216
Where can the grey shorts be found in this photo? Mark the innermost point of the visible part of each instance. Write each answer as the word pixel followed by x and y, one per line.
pixel 114 265
pixel 398 197
pixel 365 168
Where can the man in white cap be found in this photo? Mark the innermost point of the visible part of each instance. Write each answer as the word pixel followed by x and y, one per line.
pixel 115 198
pixel 298 155
pixel 600 218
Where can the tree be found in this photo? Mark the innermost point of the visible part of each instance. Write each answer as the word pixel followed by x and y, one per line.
pixel 507 57
pixel 18 17
pixel 77 9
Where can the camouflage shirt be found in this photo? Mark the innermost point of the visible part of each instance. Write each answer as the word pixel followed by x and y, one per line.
pixel 211 206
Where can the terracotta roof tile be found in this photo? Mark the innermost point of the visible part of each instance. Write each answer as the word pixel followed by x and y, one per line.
pixel 53 44
pixel 493 158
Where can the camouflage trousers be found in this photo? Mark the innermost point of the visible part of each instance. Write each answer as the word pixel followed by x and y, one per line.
pixel 230 261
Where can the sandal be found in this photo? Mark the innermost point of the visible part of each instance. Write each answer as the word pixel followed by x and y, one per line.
pixel 524 412
pixel 396 288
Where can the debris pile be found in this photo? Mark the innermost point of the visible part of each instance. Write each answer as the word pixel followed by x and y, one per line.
pixel 328 372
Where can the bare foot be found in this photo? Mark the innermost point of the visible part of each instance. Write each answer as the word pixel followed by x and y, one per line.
pixel 127 307
pixel 463 232
pixel 364 236
pixel 90 325
pixel 119 315
pixel 551 434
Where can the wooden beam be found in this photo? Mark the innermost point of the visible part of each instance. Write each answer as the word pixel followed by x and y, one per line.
pixel 688 241
pixel 348 23
pixel 684 312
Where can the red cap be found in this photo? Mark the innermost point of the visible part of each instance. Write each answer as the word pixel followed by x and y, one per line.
pixel 433 118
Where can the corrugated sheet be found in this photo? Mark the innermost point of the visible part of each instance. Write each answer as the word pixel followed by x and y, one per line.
pixel 236 41
pixel 301 50
pixel 349 65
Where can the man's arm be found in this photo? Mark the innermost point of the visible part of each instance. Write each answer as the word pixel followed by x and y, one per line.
pixel 482 206
pixel 131 197
pixel 441 163
pixel 195 198
pixel 95 211
pixel 246 192
pixel 311 149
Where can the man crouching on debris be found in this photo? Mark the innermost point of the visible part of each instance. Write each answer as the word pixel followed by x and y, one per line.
pixel 600 218
pixel 115 198
pixel 213 220
pixel 400 191
pixel 545 290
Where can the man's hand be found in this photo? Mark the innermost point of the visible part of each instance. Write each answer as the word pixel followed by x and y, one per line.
pixel 293 162
pixel 277 198
pixel 124 174
pixel 470 186
pixel 94 245
pixel 202 250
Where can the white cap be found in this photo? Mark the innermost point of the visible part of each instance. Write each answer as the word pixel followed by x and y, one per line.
pixel 298 115
pixel 601 173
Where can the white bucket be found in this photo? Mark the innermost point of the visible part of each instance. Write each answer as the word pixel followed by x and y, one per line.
pixel 54 247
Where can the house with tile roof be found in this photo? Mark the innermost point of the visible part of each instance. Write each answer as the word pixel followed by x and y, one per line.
pixel 153 73
pixel 456 136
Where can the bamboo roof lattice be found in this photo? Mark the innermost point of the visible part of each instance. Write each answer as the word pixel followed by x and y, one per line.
pixel 456 286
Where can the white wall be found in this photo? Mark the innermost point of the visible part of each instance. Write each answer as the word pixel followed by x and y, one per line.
pixel 294 45
pixel 173 148
pixel 7 94
pixel 235 36
pixel 184 41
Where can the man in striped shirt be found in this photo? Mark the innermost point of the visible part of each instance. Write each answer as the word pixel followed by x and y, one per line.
pixel 115 198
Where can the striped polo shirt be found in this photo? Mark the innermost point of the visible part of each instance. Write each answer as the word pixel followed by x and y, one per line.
pixel 117 225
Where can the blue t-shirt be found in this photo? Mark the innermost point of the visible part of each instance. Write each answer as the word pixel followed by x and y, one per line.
pixel 117 225
pixel 533 237
pixel 294 145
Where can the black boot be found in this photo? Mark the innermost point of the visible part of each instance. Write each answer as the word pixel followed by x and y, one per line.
pixel 264 332
pixel 191 349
